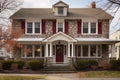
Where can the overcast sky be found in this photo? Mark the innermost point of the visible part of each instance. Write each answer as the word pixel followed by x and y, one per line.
pixel 72 3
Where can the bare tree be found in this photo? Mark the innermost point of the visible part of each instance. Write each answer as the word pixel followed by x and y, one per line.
pixel 8 5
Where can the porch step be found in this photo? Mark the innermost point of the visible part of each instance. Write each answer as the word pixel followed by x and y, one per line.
pixel 59 69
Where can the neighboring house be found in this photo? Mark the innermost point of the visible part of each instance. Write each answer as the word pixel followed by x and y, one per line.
pixel 116 36
pixel 61 34
pixel 4 54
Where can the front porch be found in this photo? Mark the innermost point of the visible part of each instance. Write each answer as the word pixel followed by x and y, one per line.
pixel 61 49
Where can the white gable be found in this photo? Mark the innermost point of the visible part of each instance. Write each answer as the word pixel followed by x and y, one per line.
pixel 60 36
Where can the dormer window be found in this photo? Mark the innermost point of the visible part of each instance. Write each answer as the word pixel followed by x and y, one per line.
pixel 60 10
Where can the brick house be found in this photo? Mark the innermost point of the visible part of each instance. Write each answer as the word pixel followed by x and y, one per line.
pixel 60 34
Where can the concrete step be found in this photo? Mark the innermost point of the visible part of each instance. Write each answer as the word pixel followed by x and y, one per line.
pixel 58 69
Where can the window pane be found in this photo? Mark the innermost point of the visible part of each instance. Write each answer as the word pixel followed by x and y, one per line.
pixel 93 50
pixel 85 27
pixel 60 10
pixel 29 27
pixel 60 27
pixel 37 50
pixel 29 50
pixel 37 27
pixel 99 50
pixel 79 51
pixel 93 27
pixel 85 50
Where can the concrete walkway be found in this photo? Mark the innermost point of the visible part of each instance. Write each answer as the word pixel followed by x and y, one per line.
pixel 61 76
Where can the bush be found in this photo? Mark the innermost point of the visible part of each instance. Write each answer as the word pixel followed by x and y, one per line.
pixel 115 64
pixel 93 63
pixel 20 64
pixel 82 64
pixel 6 64
pixel 35 64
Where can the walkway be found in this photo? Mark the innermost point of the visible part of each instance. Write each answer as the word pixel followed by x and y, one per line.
pixel 61 76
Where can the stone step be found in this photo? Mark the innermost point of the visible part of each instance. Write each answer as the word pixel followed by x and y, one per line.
pixel 58 69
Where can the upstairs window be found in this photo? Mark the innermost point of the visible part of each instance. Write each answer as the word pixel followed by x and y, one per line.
pixel 29 27
pixel 33 28
pixel 93 27
pixel 60 10
pixel 37 27
pixel 85 27
pixel 60 26
pixel 89 28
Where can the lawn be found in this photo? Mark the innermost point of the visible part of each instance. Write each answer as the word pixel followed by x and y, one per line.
pixel 99 74
pixel 21 77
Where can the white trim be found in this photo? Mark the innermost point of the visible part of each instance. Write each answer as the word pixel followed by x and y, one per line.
pixel 33 27
pixel 61 33
pixel 89 27
pixel 33 50
pixel 89 49
pixel 61 21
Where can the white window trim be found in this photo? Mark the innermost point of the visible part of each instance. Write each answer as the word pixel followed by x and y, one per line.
pixel 33 27
pixel 57 26
pixel 89 27
pixel 24 55
pixel 89 56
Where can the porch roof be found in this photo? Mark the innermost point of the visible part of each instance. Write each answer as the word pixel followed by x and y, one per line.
pixel 32 38
pixel 97 40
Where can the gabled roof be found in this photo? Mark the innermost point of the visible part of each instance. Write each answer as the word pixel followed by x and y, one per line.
pixel 74 13
pixel 60 36
pixel 60 2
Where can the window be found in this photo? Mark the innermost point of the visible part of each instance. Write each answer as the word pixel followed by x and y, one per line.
pixel 29 27
pixel 60 26
pixel 79 50
pixel 37 50
pixel 37 27
pixel 29 51
pixel 33 27
pixel 93 27
pixel 89 28
pixel 93 50
pixel 33 51
pixel 88 51
pixel 85 50
pixel 60 10
pixel 85 27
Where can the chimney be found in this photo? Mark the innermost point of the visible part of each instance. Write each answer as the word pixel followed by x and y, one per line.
pixel 93 4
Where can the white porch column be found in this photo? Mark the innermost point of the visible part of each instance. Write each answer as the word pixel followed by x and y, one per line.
pixel 72 50
pixel 68 49
pixel 50 49
pixel 46 55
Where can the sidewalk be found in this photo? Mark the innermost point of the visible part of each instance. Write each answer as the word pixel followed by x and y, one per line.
pixel 61 76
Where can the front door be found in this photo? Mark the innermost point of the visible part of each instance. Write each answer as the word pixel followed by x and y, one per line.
pixel 59 53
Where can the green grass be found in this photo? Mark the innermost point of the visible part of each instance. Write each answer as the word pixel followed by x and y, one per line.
pixel 21 77
pixel 100 74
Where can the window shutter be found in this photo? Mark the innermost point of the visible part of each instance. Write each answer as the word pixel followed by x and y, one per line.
pixel 66 26
pixel 23 25
pixel 54 26
pixel 79 26
pixel 43 27
pixel 99 27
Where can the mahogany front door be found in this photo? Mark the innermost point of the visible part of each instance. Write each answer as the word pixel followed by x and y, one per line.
pixel 59 53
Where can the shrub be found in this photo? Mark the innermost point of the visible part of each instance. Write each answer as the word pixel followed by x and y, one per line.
pixel 93 63
pixel 35 64
pixel 115 64
pixel 82 64
pixel 107 66
pixel 20 63
pixel 6 64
